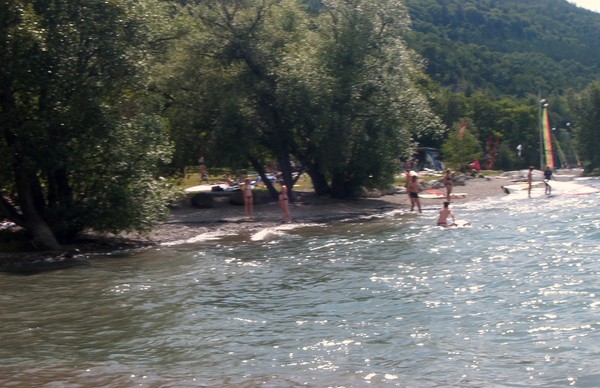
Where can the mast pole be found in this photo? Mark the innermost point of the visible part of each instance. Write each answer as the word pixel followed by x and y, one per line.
pixel 541 107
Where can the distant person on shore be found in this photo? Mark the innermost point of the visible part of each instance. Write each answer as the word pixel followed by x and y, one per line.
pixel 203 171
pixel 248 199
pixel 284 202
pixel 445 212
pixel 530 180
pixel 448 183
pixel 228 180
pixel 547 177
pixel 413 193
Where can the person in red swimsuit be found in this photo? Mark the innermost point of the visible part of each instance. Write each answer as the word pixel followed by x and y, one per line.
pixel 445 212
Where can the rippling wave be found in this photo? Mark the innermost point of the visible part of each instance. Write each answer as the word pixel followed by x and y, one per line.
pixel 513 300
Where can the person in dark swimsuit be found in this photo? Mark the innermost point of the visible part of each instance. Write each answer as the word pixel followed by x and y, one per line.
pixel 413 193
pixel 547 177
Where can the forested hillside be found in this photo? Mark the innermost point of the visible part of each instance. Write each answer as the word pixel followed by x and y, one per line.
pixel 510 47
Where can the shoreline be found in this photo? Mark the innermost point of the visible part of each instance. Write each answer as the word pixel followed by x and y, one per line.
pixel 187 222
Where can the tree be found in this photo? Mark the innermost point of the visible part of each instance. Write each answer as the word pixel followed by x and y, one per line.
pixel 80 142
pixel 224 81
pixel 461 147
pixel 372 107
pixel 335 89
pixel 586 111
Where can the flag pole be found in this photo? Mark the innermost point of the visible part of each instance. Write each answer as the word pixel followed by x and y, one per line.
pixel 541 105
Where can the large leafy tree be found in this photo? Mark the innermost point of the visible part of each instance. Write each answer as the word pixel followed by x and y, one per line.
pixel 368 83
pixel 335 90
pixel 79 142
pixel 224 81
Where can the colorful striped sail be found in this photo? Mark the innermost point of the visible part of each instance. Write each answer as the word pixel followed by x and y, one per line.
pixel 547 138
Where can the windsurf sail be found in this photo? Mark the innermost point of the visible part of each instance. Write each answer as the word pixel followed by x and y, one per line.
pixel 562 158
pixel 547 138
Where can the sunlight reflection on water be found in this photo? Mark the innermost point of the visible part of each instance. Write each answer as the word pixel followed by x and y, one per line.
pixel 393 301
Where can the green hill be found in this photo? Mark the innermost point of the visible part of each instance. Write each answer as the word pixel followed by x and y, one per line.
pixel 507 47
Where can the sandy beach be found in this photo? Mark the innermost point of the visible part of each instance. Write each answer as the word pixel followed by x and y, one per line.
pixel 186 221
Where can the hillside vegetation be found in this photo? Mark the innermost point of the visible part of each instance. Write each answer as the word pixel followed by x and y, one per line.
pixel 510 47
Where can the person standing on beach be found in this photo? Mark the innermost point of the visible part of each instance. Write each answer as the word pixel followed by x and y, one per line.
pixel 284 202
pixel 547 177
pixel 448 183
pixel 408 174
pixel 248 199
pixel 445 212
pixel 529 181
pixel 413 193
pixel 203 170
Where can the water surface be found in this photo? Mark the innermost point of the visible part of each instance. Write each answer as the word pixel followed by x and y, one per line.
pixel 392 301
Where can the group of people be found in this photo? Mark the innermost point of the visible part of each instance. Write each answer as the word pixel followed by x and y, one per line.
pixel 283 199
pixel 547 177
pixel 413 188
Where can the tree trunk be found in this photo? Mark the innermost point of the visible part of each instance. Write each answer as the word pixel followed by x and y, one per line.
pixel 338 186
pixel 27 184
pixel 33 220
pixel 343 185
pixel 260 169
pixel 319 182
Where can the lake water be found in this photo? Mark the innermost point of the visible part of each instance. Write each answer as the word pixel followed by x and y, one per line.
pixel 512 301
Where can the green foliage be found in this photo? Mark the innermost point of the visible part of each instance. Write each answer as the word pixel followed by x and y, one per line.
pixel 507 158
pixel 586 109
pixel 492 59
pixel 271 81
pixel 274 80
pixel 509 47
pixel 81 144
pixel 461 147
pixel 374 103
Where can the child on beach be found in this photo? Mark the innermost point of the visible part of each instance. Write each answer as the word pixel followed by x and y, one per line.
pixel 445 212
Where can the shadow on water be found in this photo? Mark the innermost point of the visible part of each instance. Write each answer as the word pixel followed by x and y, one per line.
pixel 38 264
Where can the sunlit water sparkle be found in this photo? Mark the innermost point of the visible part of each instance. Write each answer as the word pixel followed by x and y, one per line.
pixel 513 300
